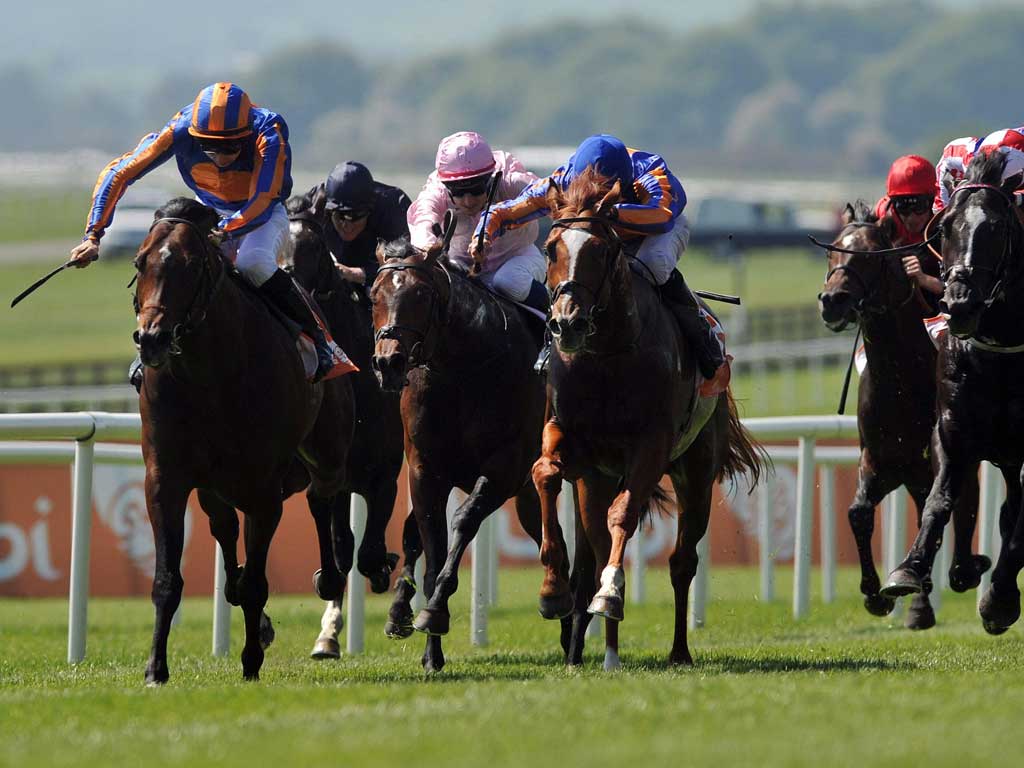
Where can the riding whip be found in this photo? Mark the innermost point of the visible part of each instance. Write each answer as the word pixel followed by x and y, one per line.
pixel 849 370
pixel 448 232
pixel 40 281
pixel 492 188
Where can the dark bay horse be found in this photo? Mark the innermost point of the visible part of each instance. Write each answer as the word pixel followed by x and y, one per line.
pixel 472 408
pixel 896 399
pixel 225 408
pixel 622 392
pixel 375 459
pixel 981 378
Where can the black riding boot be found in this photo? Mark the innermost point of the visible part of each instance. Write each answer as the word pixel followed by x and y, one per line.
pixel 695 328
pixel 540 300
pixel 282 291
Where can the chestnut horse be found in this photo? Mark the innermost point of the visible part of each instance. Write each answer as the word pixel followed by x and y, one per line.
pixel 375 459
pixel 472 408
pixel 624 410
pixel 981 370
pixel 867 284
pixel 226 408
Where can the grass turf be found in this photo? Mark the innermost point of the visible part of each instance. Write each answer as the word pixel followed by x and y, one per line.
pixel 839 688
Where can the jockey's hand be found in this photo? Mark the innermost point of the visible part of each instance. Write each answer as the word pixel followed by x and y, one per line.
pixel 85 253
pixel 912 266
pixel 478 253
pixel 217 237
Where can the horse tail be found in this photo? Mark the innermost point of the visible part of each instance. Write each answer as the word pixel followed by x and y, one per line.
pixel 744 455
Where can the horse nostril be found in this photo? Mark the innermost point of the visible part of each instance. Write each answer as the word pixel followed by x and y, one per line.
pixel 136 337
pixel 554 326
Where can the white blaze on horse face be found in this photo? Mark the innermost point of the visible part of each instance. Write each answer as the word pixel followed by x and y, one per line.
pixel 574 240
pixel 294 227
pixel 848 241
pixel 165 253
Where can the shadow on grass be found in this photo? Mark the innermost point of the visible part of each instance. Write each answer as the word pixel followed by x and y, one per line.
pixel 729 664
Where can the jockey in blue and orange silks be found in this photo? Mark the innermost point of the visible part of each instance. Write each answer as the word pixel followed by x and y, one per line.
pixel 235 157
pixel 649 219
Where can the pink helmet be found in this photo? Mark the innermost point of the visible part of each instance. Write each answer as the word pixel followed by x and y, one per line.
pixel 463 155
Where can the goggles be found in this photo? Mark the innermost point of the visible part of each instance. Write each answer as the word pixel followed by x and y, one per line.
pixel 213 148
pixel 474 186
pixel 349 215
pixel 916 204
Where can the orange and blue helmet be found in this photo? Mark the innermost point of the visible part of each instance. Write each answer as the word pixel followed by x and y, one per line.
pixel 221 111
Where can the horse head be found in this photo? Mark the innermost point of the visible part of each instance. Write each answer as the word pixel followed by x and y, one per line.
pixel 856 274
pixel 308 260
pixel 583 250
pixel 982 237
pixel 178 271
pixel 408 302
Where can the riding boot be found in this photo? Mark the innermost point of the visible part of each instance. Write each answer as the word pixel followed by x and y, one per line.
pixel 280 289
pixel 538 299
pixel 695 327
pixel 135 373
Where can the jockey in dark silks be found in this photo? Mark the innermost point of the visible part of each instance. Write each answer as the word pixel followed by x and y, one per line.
pixel 236 159
pixel 649 220
pixel 361 212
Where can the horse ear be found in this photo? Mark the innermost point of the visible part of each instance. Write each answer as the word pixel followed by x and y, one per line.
pixel 554 197
pixel 848 215
pixel 381 254
pixel 318 200
pixel 433 253
pixel 607 204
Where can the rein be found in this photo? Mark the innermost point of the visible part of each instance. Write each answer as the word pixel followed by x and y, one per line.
pixel 395 331
pixel 569 286
pixel 192 322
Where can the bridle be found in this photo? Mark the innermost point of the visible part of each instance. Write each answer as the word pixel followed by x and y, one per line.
pixel 963 273
pixel 437 312
pixel 867 305
pixel 327 277
pixel 195 312
pixel 570 287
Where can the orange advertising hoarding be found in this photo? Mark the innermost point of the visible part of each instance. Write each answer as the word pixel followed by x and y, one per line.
pixel 35 533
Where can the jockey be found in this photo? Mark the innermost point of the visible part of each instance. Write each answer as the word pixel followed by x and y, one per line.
pixel 465 164
pixel 650 219
pixel 950 169
pixel 236 159
pixel 361 211
pixel 910 191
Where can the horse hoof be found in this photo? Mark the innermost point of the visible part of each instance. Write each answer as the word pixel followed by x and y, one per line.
pixel 902 581
pixel 432 622
pixel 920 615
pixel 998 613
pixel 965 576
pixel 327 587
pixel 680 658
pixel 156 678
pixel 878 605
pixel 398 630
pixel 267 633
pixel 251 677
pixel 608 606
pixel 326 648
pixel 612 662
pixel 556 606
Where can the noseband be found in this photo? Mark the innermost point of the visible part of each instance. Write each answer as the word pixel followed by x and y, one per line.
pixel 865 305
pixel 195 313
pixel 963 273
pixel 569 287
pixel 437 308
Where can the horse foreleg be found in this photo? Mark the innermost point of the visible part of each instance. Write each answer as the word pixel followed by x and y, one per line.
pixel 328 581
pixel 331 624
pixel 260 523
pixel 224 528
pixel 967 568
pixel 435 618
pixel 429 494
pixel 555 601
pixel 871 489
pixel 920 614
pixel 374 561
pixel 1000 606
pixel 594 493
pixel 399 623
pixel 165 502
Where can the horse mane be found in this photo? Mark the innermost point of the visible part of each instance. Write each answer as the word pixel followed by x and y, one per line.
pixel 189 209
pixel 987 168
pixel 583 194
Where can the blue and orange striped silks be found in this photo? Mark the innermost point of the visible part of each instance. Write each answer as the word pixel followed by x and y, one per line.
pixel 245 192
pixel 658 194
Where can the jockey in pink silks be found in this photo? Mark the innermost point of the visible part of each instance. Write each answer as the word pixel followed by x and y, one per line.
pixel 465 162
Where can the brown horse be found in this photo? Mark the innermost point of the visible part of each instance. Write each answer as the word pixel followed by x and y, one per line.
pixel 896 400
pixel 375 459
pixel 472 408
pixel 623 411
pixel 225 408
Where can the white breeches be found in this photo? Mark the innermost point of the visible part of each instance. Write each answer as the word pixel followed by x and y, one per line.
pixel 661 253
pixel 255 253
pixel 514 277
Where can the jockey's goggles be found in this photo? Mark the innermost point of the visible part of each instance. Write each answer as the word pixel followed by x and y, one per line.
pixel 349 215
pixel 463 187
pixel 914 204
pixel 212 148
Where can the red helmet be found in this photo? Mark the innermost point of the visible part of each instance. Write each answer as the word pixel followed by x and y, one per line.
pixel 910 175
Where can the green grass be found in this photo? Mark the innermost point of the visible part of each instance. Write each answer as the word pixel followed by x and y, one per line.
pixel 840 688
pixel 42 213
